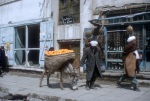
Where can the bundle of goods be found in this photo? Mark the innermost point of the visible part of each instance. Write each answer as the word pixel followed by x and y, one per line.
pixel 54 60
pixel 58 52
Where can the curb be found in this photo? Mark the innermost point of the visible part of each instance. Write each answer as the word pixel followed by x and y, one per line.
pixel 142 77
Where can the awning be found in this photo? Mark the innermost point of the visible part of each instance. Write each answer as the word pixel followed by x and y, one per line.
pixel 137 18
pixel 125 9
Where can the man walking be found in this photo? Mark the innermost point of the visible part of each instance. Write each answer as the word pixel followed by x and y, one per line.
pixel 91 57
pixel 129 60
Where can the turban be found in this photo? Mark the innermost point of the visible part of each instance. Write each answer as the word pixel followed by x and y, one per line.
pixel 131 38
pixel 93 43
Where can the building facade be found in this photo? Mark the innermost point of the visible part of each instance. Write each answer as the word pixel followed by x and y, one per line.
pixel 26 31
pixel 121 19
pixel 28 28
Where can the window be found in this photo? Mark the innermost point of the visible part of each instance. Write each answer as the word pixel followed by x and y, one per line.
pixel 27 45
pixel 69 11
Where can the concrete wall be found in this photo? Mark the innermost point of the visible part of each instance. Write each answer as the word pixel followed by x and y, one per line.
pixel 72 31
pixel 116 3
pixel 24 10
pixel 85 16
pixel 55 16
pixel 68 32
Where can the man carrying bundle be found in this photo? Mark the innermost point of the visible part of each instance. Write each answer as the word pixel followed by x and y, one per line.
pixel 129 60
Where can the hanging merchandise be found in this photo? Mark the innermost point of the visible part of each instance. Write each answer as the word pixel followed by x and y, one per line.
pixel 129 29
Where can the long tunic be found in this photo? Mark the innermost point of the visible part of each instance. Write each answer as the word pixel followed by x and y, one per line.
pixel 129 59
pixel 91 59
pixel 130 64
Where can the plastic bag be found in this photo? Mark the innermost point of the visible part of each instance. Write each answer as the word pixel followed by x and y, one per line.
pixel 103 66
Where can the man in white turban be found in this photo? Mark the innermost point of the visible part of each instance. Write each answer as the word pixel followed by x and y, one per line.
pixel 93 43
pixel 129 59
pixel 91 57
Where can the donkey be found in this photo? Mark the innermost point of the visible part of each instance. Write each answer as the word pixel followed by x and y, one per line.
pixel 65 68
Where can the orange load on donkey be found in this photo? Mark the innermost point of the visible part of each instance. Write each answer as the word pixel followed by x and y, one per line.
pixel 58 52
pixel 55 59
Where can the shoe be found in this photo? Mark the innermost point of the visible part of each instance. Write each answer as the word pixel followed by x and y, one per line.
pixel 1 75
pixel 87 88
pixel 4 73
pixel 135 88
pixel 118 83
pixel 92 85
pixel 87 85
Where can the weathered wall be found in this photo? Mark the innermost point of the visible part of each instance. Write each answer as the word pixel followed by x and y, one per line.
pixel 85 16
pixel 72 31
pixel 24 10
pixel 103 5
pixel 63 32
pixel 117 3
pixel 68 32
pixel 55 16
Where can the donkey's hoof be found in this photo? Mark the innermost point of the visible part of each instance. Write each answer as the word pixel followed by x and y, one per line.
pixel 61 87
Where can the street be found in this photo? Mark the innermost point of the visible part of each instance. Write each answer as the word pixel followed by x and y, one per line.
pixel 27 84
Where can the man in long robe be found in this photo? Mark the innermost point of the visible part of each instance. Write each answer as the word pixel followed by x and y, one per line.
pixel 91 57
pixel 129 60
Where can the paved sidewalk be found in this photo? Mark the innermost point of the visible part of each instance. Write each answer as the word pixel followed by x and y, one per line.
pixel 105 92
pixel 107 73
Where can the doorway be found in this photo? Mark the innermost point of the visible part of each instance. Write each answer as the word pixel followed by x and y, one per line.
pixel 147 48
pixel 27 45
pixel 73 46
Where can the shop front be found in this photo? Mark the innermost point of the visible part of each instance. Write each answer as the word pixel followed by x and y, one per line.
pixel 72 44
pixel 26 43
pixel 116 34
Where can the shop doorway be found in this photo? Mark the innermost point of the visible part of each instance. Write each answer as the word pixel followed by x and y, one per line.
pixel 147 48
pixel 73 46
pixel 26 51
pixel 142 33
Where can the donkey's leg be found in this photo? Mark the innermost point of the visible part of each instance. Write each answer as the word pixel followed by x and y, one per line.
pixel 42 76
pixel 48 76
pixel 41 79
pixel 61 80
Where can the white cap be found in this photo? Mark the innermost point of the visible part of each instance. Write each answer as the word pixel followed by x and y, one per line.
pixel 93 43
pixel 131 38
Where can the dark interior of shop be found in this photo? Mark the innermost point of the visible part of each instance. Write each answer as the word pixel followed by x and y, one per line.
pixel 33 42
pixel 72 46
pixel 147 51
pixel 22 43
